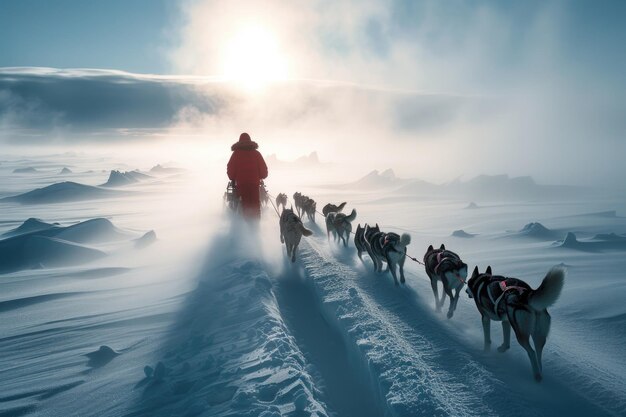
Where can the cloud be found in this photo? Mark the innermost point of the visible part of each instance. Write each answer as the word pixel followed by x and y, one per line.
pixel 40 100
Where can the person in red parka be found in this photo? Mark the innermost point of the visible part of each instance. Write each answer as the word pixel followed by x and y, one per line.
pixel 247 168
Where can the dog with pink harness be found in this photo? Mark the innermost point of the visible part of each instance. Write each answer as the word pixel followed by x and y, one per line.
pixel 445 266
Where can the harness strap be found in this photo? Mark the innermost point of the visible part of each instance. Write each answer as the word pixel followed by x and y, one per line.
pixel 439 260
pixel 504 289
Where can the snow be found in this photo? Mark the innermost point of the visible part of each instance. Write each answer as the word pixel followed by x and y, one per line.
pixel 60 192
pixel 212 319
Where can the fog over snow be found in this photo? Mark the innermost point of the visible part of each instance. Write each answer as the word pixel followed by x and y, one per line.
pixel 128 286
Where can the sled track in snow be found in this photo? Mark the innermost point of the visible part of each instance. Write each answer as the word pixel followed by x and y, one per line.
pixel 411 374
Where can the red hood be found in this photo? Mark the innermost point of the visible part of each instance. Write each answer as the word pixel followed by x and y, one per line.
pixel 246 145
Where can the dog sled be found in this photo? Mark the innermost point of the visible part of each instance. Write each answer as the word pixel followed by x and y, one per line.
pixel 231 198
pixel 264 196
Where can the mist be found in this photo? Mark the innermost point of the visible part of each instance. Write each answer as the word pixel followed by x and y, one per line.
pixel 428 90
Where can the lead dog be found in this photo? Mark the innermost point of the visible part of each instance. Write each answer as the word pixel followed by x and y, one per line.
pixel 445 266
pixel 330 208
pixel 340 225
pixel 389 248
pixel 291 232
pixel 281 200
pixel 517 305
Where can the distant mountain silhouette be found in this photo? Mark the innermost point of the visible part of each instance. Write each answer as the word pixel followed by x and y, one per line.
pixel 119 178
pixel 159 169
pixel 61 192
pixel 376 180
pixel 29 170
pixel 311 159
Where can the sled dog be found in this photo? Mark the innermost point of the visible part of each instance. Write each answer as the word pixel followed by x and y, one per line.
pixel 389 248
pixel 281 200
pixel 517 305
pixel 340 225
pixel 331 208
pixel 297 200
pixel 291 231
pixel 309 206
pixel 360 238
pixel 445 266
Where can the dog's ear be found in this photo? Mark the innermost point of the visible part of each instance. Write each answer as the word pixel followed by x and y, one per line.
pixel 475 273
pixel 442 247
pixel 488 271
pixel 430 248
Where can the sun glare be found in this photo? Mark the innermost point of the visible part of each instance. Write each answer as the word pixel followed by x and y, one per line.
pixel 252 58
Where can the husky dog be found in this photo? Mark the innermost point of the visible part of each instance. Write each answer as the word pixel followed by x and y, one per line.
pixel 340 225
pixel 361 236
pixel 298 200
pixel 331 208
pixel 309 207
pixel 445 266
pixel 281 200
pixel 517 305
pixel 291 231
pixel 389 248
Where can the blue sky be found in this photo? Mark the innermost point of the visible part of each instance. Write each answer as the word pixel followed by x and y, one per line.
pixel 131 35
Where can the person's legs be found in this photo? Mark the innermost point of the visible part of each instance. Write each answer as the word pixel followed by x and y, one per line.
pixel 250 200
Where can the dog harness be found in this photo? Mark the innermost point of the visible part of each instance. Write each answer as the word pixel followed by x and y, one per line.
pixel 440 259
pixel 504 288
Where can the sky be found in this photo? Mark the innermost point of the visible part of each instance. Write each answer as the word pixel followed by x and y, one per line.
pixel 530 88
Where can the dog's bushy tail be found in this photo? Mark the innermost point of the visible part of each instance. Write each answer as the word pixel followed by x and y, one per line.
pixel 352 216
pixel 549 290
pixel 305 231
pixel 404 241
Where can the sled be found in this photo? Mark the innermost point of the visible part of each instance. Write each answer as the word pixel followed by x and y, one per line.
pixel 231 198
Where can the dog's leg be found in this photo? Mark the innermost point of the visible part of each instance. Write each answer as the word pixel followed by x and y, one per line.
pixel 392 267
pixel 523 322
pixel 453 300
pixel 540 334
pixel 506 333
pixel 293 253
pixel 401 263
pixel 443 294
pixel 433 285
pixel 487 332
pixel 448 291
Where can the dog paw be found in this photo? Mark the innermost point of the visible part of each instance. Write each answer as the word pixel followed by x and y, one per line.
pixel 538 377
pixel 450 314
pixel 503 348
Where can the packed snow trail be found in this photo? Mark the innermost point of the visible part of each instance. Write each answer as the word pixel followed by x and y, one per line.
pixel 345 389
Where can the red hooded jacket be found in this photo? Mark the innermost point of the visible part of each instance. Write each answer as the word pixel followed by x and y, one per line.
pixel 246 164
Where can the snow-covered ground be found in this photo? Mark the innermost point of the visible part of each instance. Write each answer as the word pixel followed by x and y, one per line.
pixel 211 320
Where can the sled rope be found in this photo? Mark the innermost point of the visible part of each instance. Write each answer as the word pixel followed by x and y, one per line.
pixel 272 203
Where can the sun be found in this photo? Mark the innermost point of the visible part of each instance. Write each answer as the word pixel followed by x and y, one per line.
pixel 252 58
